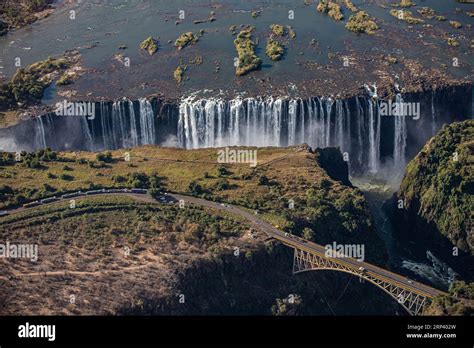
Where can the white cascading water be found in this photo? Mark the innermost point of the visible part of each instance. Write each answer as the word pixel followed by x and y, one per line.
pixel 134 137
pixel 282 122
pixel 354 127
pixel 40 132
pixel 147 123
pixel 360 128
pixel 373 136
pixel 292 114
pixel 400 135
pixel 88 134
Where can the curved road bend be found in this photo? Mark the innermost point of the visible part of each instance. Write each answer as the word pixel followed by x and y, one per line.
pixel 287 239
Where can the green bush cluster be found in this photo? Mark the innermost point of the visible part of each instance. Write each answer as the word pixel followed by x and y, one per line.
pixel 150 45
pixel 274 50
pixel 245 47
pixel 28 84
pixel 361 22
pixel 330 8
pixel 17 14
pixel 186 39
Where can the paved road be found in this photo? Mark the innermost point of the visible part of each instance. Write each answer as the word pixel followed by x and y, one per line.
pixel 287 239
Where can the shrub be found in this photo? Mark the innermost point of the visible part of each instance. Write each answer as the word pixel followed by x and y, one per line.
pixel 263 180
pixel 138 180
pixel 150 45
pixel 119 179
pixel 104 157
pixel 274 50
pixel 195 188
pixel 66 177
pixel 222 171
pixel 248 60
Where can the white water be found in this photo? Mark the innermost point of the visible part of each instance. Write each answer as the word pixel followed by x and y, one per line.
pixel 147 124
pixel 374 146
pixel 433 269
pixel 261 122
pixel 201 123
pixel 400 136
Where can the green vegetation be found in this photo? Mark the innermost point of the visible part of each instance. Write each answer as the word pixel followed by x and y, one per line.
pixel 455 24
pixel 350 6
pixel 438 184
pixel 233 29
pixel 185 39
pixel 65 79
pixel 196 61
pixel 28 85
pixel 274 50
pixel 453 42
pixel 104 157
pixel 330 8
pixel 406 3
pixel 16 14
pixel 256 14
pixel 361 23
pixel 3 28
pixel 278 30
pixel 427 12
pixel 247 59
pixel 150 45
pixel 459 301
pixel 179 73
pixel 291 31
pixel 325 205
pixel 406 16
pixel 119 221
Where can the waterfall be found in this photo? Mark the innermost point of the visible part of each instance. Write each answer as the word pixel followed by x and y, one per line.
pixel 353 125
pixel 40 132
pixel 400 135
pixel 88 134
pixel 319 122
pixel 147 122
pixel 360 129
pixel 133 125
pixel 292 110
pixel 339 124
pixel 373 158
pixel 327 122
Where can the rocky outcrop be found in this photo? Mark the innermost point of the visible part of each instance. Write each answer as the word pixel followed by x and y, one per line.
pixel 437 187
pixel 332 161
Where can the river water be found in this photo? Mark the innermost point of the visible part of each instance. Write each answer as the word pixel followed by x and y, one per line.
pixel 99 27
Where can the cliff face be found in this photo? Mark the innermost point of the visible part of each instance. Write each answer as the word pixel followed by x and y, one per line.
pixel 438 185
pixel 261 283
pixel 331 160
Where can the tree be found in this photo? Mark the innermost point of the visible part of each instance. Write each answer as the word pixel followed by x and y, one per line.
pixel 263 180
pixel 195 188
pixel 308 233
